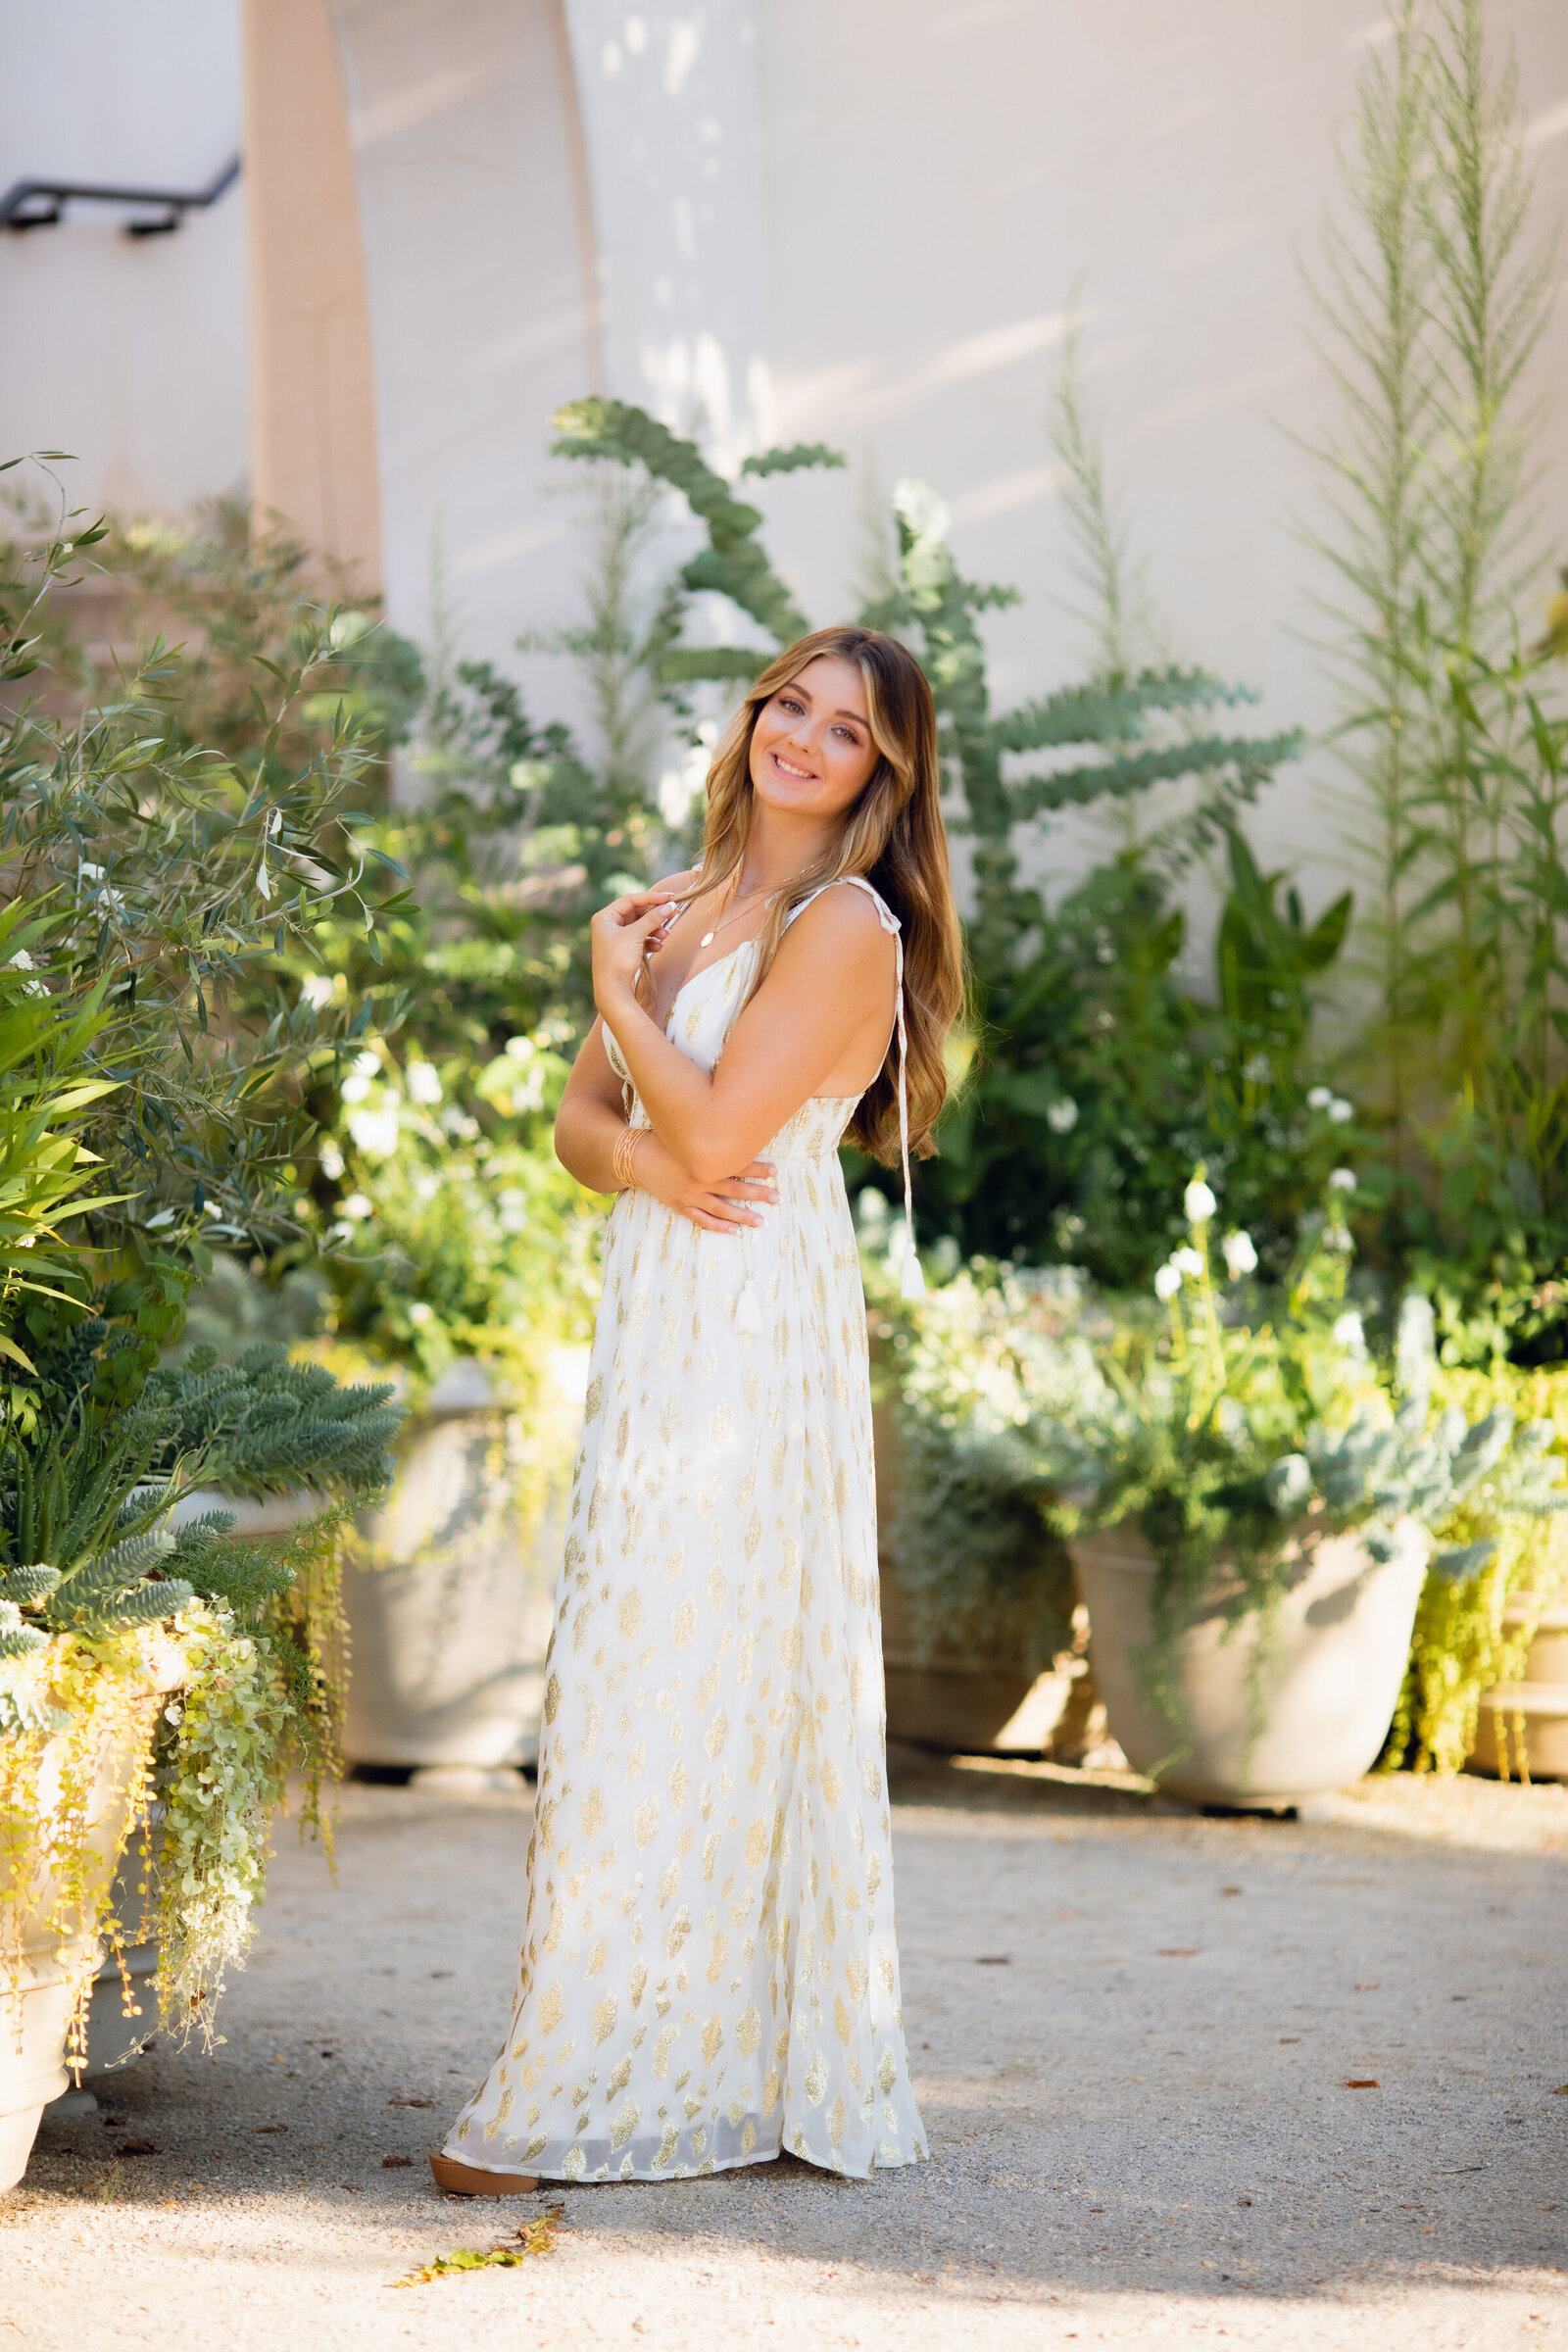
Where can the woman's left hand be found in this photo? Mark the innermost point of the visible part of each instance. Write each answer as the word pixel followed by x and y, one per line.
pixel 621 935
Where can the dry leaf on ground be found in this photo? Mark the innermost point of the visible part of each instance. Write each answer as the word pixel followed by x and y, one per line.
pixel 534 2238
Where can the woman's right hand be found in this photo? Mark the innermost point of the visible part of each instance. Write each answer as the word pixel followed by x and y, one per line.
pixel 726 1207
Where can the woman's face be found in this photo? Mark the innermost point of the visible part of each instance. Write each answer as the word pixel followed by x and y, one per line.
pixel 812 754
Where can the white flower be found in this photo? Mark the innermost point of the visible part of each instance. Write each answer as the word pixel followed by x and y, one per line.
pixel 1340 1111
pixel 512 1210
pixel 354 1087
pixel 319 989
pixel 1342 1180
pixel 331 1159
pixel 375 1132
pixel 423 1081
pixel 521 1049
pixel 1258 1070
pixel 1240 1256
pixel 368 1064
pixel 1349 1334
pixel 1167 1282
pixel 1187 1261
pixel 1320 1097
pixel 355 1208
pixel 1061 1117
pixel 420 1312
pixel 1198 1203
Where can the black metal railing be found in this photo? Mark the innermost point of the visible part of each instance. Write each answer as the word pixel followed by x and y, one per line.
pixel 41 203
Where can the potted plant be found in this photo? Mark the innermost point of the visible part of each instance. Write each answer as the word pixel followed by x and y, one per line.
pixel 461 1259
pixel 151 1054
pixel 136 1659
pixel 979 1649
pixel 1251 1502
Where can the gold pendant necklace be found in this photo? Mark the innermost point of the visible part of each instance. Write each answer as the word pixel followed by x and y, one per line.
pixel 709 937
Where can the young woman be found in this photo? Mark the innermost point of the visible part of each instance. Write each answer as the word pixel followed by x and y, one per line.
pixel 709 1970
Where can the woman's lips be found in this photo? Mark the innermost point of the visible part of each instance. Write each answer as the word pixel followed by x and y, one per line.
pixel 787 768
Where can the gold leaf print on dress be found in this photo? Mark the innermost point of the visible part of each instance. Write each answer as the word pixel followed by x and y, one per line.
pixel 604 2017
pixel 687 1424
pixel 625 2123
pixel 552 1698
pixel 676 1934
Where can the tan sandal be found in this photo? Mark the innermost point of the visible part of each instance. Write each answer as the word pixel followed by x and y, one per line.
pixel 468 2180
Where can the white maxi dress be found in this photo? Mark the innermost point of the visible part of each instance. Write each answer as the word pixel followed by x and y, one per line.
pixel 709 1970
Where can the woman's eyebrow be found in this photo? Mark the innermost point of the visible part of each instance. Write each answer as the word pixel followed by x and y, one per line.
pixel 855 715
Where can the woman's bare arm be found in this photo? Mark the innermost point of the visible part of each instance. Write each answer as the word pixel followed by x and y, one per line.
pixel 831 984
pixel 591 1122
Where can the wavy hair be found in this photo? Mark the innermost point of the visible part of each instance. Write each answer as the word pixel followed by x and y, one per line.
pixel 894 835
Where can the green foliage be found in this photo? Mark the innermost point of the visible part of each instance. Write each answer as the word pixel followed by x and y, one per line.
pixel 1102 1079
pixel 732 564
pixel 1244 1421
pixel 455 1237
pixel 1433 300
pixel 162 883
pixel 266 1425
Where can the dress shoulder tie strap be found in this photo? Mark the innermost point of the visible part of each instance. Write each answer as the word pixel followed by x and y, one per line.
pixel 912 1282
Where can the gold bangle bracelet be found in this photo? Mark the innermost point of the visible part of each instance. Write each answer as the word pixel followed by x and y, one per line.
pixel 623 1161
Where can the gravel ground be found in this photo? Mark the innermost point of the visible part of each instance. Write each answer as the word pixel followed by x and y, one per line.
pixel 1135 2034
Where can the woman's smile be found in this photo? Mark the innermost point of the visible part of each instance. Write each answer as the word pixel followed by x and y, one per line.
pixel 787 768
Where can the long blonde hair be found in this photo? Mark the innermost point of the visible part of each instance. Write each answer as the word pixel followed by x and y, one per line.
pixel 894 835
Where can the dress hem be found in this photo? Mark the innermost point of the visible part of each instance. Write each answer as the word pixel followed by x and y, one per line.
pixel 685 2172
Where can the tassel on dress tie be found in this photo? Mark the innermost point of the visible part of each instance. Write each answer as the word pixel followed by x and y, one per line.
pixel 747 1308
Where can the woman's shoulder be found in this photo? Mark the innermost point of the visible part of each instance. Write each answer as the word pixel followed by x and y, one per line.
pixel 849 909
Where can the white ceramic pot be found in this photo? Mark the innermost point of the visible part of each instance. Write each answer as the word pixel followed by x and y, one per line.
pixel 449 1612
pixel 1328 1689
pixel 1523 1725
pixel 35 2002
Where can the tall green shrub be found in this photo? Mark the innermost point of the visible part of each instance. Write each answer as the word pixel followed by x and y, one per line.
pixel 1431 301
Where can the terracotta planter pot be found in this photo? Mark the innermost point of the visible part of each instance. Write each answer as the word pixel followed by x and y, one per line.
pixel 1524 1724
pixel 959 1700
pixel 36 2017
pixel 449 1620
pixel 1341 1639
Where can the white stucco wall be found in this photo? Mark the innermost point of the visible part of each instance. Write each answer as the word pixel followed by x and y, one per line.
pixel 131 351
pixel 473 210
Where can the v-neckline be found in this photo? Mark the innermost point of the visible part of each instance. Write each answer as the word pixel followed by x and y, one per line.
pixel 717 965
